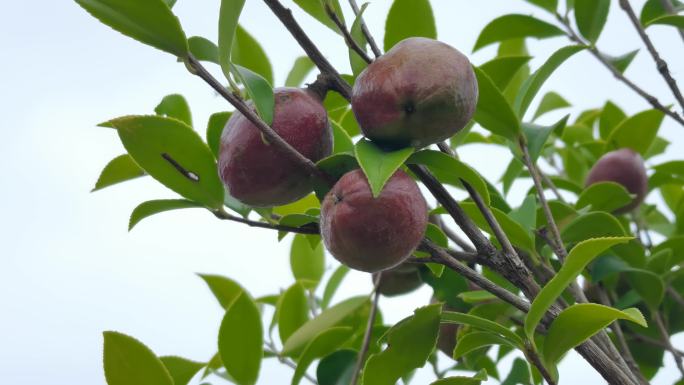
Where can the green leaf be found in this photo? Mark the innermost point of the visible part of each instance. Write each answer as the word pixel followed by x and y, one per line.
pixel 637 132
pixel 175 106
pixel 378 165
pixel 518 235
pixel 301 206
pixel 510 27
pixel 229 14
pixel 203 49
pixel 341 140
pixel 307 263
pixel 549 5
pixel 483 324
pixel 357 63
pixel 337 368
pixel 149 208
pixel 476 340
pixel 240 340
pixel 409 344
pixel 534 83
pixel 127 361
pixel 493 111
pixel 327 319
pixel 215 127
pixel 316 9
pixel 526 214
pixel 397 27
pixel 550 102
pixel 578 323
pixel 182 370
pixel 575 262
pixel 623 61
pixel 150 22
pixel 248 53
pixel 323 344
pixel 120 169
pixel 259 90
pixel 332 285
pixel 611 117
pixel 172 153
pixel 592 225
pixel 451 170
pixel 224 289
pixel 604 196
pixel 519 374
pixel 673 20
pixel 463 380
pixel 293 310
pixel 300 69
pixel 591 16
pixel 537 136
pixel 476 296
pixel 650 286
pixel 502 69
pixel 653 9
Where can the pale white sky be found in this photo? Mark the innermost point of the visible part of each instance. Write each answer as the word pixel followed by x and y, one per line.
pixel 68 267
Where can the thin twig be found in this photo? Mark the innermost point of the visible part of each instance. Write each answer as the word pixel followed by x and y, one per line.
pixel 654 342
pixel 661 64
pixel 285 15
pixel 552 186
pixel 533 357
pixel 271 136
pixel 451 234
pixel 676 296
pixel 369 331
pixel 306 229
pixel 665 337
pixel 366 32
pixel 652 100
pixel 348 38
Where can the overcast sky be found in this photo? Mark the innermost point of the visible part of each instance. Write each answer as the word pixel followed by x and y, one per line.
pixel 69 268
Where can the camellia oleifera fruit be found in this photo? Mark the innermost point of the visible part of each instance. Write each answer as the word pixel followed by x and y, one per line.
pixel 626 167
pixel 399 280
pixel 420 92
pixel 373 234
pixel 255 172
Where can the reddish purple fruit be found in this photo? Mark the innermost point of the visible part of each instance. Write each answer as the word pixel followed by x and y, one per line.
pixel 420 92
pixel 399 280
pixel 373 234
pixel 625 167
pixel 255 172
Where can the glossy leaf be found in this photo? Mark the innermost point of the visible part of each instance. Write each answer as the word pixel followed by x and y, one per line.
pixel 128 361
pixel 293 310
pixel 341 140
pixel 637 132
pixel 672 20
pixel 502 69
pixel 240 340
pixel 537 136
pixel 611 117
pixel 229 14
pixel 248 53
pixel 551 101
pixel 224 289
pixel 203 49
pixel 215 127
pixel 300 70
pixel 534 83
pixel 409 344
pixel 509 27
pixel 422 24
pixel 493 111
pixel 592 225
pixel 323 344
pixel 120 169
pixel 175 106
pixel 182 370
pixel 336 368
pixel 451 170
pixel 622 62
pixel 172 153
pixel 476 340
pixel 150 22
pixel 298 207
pixel 578 258
pixel 333 283
pixel 149 208
pixel 519 374
pixel 316 9
pixel 482 324
pixel 462 380
pixel 578 323
pixel 327 319
pixel 591 16
pixel 653 9
pixel 307 263
pixel 259 90
pixel 604 196
pixel 379 165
